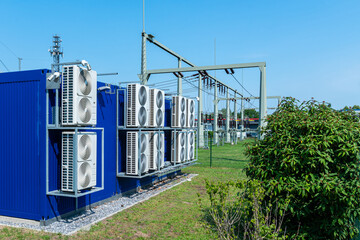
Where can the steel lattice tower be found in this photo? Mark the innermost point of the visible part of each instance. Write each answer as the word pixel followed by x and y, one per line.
pixel 56 51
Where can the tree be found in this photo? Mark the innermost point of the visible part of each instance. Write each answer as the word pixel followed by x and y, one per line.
pixel 356 107
pixel 309 155
pixel 223 112
pixel 250 113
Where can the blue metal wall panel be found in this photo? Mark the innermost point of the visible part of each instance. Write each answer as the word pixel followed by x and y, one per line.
pixel 22 149
pixel 167 121
pixel 20 107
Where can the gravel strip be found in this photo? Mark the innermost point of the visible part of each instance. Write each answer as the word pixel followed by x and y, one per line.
pixel 88 218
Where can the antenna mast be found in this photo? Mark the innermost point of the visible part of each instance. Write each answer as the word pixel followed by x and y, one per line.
pixel 56 51
pixel 143 49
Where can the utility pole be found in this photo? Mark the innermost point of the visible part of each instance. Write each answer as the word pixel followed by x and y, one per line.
pixel 55 52
pixel 179 86
pixel 143 50
pixel 215 128
pixel 19 63
pixel 242 119
pixel 227 117
pixel 235 118
pixel 242 106
pixel 200 120
pixel 263 103
pixel 143 59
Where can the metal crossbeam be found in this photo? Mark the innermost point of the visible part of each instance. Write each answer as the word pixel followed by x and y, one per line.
pixel 239 98
pixel 145 74
pixel 151 39
pixel 206 68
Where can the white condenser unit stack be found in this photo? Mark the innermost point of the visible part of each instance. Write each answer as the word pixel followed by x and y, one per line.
pixel 190 145
pixel 78 105
pixel 178 112
pixel 178 147
pixel 157 108
pixel 85 158
pixel 134 150
pixel 190 118
pixel 137 105
pixel 157 148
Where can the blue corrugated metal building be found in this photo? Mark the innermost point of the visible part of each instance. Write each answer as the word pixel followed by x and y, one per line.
pixel 23 150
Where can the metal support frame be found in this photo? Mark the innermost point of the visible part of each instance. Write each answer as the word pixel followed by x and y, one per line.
pixel 215 126
pixel 200 130
pixel 242 109
pixel 167 170
pixel 260 65
pixel 174 167
pixel 206 135
pixel 227 123
pixel 242 120
pixel 263 105
pixel 151 39
pixel 55 52
pixel 145 76
pixel 57 127
pixel 54 65
pixel 241 98
pixel 143 59
pixel 235 119
pixel 179 85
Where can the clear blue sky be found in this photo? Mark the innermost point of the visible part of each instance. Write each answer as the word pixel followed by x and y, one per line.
pixel 312 48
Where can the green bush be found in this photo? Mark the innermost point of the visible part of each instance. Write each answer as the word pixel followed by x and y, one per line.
pixel 310 155
pixel 236 211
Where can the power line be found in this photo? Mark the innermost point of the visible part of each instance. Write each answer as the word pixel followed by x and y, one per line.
pixel 19 58
pixel 4 65
pixel 194 78
pixel 241 85
pixel 9 49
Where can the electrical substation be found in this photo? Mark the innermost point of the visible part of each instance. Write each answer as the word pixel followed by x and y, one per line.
pixel 70 142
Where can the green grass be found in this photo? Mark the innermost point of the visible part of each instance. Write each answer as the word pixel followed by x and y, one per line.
pixel 173 214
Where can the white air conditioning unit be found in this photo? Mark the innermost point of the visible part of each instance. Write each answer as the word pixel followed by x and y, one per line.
pixel 137 105
pixel 190 116
pixel 178 112
pixel 190 154
pixel 133 152
pixel 85 158
pixel 178 147
pixel 78 98
pixel 157 147
pixel 157 108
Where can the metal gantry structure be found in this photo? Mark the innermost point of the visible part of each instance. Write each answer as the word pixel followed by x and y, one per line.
pixel 242 109
pixel 55 52
pixel 145 75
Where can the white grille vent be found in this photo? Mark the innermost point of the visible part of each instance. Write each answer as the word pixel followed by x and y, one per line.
pixel 157 108
pixel 190 145
pixel 79 101
pixel 157 148
pixel 137 105
pixel 134 149
pixel 178 112
pixel 179 140
pixel 85 158
pixel 190 119
pixel 67 168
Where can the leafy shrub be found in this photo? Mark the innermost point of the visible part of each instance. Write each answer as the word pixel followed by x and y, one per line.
pixel 236 211
pixel 309 155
